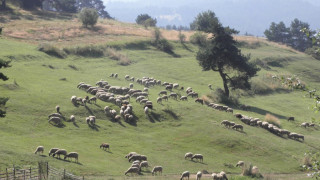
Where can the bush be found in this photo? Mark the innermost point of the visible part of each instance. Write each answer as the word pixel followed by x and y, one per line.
pixel 88 16
pixel 182 37
pixel 198 38
pixel 247 171
pixel 165 46
pixel 314 52
pixel 146 20
pixel 115 55
pixel 219 96
pixel 51 50
pixel 86 51
pixel 271 119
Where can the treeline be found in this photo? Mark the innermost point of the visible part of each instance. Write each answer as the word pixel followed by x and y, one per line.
pixel 292 36
pixel 70 6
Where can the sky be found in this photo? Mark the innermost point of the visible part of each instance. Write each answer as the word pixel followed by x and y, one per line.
pixel 247 16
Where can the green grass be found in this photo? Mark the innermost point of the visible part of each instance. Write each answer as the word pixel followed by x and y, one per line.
pixel 164 137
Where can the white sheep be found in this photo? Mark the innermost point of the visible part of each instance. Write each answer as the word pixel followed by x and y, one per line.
pixel 39 149
pixel 131 86
pixel 130 154
pixel 188 155
pixel 144 164
pixel 105 146
pixel 157 169
pixel 199 175
pixel 55 120
pixel 159 100
pixel 198 157
pixel 72 118
pixel 185 174
pixel 240 164
pixel 146 110
pixel 184 98
pixel 58 109
pixel 60 152
pixel 53 150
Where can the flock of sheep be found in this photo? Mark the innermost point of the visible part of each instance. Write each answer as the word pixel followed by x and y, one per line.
pixel 121 97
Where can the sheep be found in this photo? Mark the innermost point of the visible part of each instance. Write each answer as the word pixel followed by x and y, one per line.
pixel 197 156
pixel 305 124
pixel 56 120
pixel 136 165
pixel 222 176
pixel 143 101
pixel 188 155
pixel 255 170
pixel 87 120
pixel 136 162
pixel 112 75
pixel 184 98
pixel 290 118
pixel 237 126
pixel 55 115
pixel 135 157
pixel 214 176
pixel 162 93
pixel 39 149
pixel 169 88
pixel 165 97
pixel 58 109
pixel 105 146
pixel 84 102
pixel 175 85
pixel 72 118
pixel 117 118
pixel 199 175
pixel 229 110
pixel 240 164
pixel 199 101
pixel 145 90
pixel 93 99
pixel 126 77
pixel 143 158
pixel 74 100
pixel 173 95
pixel 210 86
pixel 53 150
pixel 131 86
pixel 74 155
pixel 238 115
pixel 115 75
pixel 225 122
pixel 130 154
pixel 185 174
pixel 131 79
pixel 144 164
pixel 156 169
pixel 132 170
pixel 159 100
pixel 92 120
pixel 60 152
pixel 146 110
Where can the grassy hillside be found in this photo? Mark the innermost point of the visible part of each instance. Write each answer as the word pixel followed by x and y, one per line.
pixel 39 82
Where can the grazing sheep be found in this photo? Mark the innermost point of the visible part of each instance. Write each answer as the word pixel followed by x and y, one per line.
pixel 58 109
pixel 132 170
pixel 175 85
pixel 72 118
pixel 84 102
pixel 135 157
pixel 115 75
pixel 291 119
pixel 225 123
pixel 93 99
pixel 87 120
pixel 159 100
pixel 199 101
pixel 74 155
pixel 92 120
pixel 174 96
pixel 210 86
pixel 255 170
pixel 188 155
pixel 305 125
pixel 55 120
pixel 144 164
pixel 105 146
pixel 39 149
pixel 146 110
pixel 162 93
pixel 229 110
pixel 53 150
pixel 238 115
pixel 112 75
pixel 214 176
pixel 185 174
pixel 199 175
pixel 184 98
pixel 156 169
pixel 130 154
pixel 136 162
pixel 240 164
pixel 60 152
pixel 55 115
pixel 117 118
pixel 127 77
pixel 222 176
pixel 237 126
pixel 143 158
pixel 131 86
pixel 198 157
pixel 165 97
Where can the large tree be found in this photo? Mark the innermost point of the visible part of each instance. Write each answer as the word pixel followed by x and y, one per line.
pixel 299 40
pixel 221 54
pixel 146 20
pixel 278 32
pixel 3 4
pixel 3 64
pixel 64 5
pixel 95 4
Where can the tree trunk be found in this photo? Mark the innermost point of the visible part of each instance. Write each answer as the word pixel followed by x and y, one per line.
pixel 3 5
pixel 225 85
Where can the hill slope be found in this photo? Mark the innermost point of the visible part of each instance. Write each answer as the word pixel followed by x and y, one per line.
pixel 39 82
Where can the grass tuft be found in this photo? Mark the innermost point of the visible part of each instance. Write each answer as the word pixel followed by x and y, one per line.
pixel 272 120
pixel 52 50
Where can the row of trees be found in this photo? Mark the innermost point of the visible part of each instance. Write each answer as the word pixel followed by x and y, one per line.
pixel 291 36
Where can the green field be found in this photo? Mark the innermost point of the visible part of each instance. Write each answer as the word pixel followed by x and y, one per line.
pixel 171 129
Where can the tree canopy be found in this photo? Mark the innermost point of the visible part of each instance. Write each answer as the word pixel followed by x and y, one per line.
pixel 3 101
pixel 292 36
pixel 146 20
pixel 88 16
pixel 221 54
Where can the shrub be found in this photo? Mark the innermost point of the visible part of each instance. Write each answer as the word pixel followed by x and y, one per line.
pixel 314 52
pixel 272 120
pixel 88 16
pixel 198 38
pixel 219 96
pixel 182 37
pixel 165 46
pixel 115 55
pixel 86 51
pixel 51 50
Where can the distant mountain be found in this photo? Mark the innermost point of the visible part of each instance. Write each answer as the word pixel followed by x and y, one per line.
pixel 251 16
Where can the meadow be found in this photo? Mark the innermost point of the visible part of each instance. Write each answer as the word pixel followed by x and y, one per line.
pixel 38 82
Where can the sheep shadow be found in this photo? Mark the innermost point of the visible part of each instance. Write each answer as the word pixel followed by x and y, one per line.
pixel 153 117
pixel 97 105
pixel 60 125
pixel 186 47
pixel 171 113
pixel 94 127
pixel 89 110
pixel 75 124
pixel 42 155
pixel 120 123
pixel 264 112
pixel 199 162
